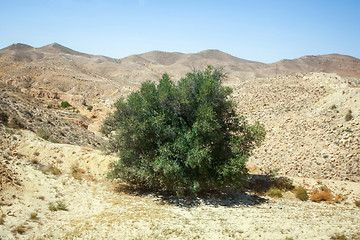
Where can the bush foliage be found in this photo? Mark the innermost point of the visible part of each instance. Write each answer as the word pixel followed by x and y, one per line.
pixel 65 104
pixel 181 137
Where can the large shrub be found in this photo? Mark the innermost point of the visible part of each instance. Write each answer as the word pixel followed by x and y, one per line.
pixel 182 137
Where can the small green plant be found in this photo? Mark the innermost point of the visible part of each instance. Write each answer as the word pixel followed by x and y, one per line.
pixel 34 216
pixel 357 203
pixel 59 206
pixel 289 238
pixel 274 171
pixel 2 219
pixel 349 116
pixel 84 102
pixel 20 229
pixel 274 192
pixel 301 193
pixel 43 133
pixel 55 171
pixel 333 107
pixel 65 104
pixel 90 108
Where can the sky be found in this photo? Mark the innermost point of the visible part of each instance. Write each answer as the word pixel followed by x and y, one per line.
pixel 259 30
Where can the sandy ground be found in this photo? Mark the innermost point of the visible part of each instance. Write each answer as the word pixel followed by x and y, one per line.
pixel 99 209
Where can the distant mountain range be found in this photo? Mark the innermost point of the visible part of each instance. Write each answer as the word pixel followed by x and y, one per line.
pixel 57 67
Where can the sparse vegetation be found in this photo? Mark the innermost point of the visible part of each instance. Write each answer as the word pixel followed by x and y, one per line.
pixel 4 118
pixel 274 192
pixel 77 172
pixel 59 206
pixel 301 193
pixel 182 137
pixel 321 194
pixel 55 171
pixel 2 219
pixel 34 216
pixel 54 140
pixel 338 236
pixel 43 133
pixel 283 183
pixel 349 116
pixel 65 104
pixel 333 107
pixel 20 229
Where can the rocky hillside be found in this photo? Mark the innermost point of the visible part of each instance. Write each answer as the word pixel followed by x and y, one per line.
pixel 45 117
pixel 312 123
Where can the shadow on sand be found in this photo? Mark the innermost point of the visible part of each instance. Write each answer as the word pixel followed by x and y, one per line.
pixel 251 196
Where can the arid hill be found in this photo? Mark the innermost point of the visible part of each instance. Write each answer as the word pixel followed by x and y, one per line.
pixel 57 68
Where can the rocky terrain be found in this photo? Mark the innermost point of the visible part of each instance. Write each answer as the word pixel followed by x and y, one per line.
pixel 308 134
pixel 53 175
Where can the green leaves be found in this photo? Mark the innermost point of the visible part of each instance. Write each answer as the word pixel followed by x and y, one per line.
pixel 181 137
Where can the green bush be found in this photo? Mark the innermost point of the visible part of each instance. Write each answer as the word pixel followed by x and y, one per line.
pixel 65 104
pixel 274 192
pixel 60 206
pixel 90 108
pixel 301 193
pixel 181 137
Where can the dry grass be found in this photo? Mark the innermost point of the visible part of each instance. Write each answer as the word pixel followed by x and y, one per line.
pixel 338 236
pixel 283 183
pixel 274 192
pixel 2 219
pixel 55 171
pixel 34 216
pixel 77 172
pixel 321 194
pixel 20 229
pixel 52 169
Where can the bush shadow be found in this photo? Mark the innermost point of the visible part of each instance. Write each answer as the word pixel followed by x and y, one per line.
pixel 250 196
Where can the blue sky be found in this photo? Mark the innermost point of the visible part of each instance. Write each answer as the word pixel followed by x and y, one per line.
pixel 264 31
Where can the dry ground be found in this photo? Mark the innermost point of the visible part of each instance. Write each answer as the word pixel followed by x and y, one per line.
pixel 98 209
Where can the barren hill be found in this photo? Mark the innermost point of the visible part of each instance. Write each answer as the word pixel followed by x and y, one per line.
pixel 59 68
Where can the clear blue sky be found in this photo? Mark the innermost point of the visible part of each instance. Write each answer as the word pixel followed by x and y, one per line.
pixel 264 31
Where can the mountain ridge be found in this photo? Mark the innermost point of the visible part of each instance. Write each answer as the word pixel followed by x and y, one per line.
pixel 57 68
pixel 208 53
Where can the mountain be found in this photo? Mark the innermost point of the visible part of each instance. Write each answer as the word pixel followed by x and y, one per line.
pixel 151 65
pixel 74 75
pixel 343 65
